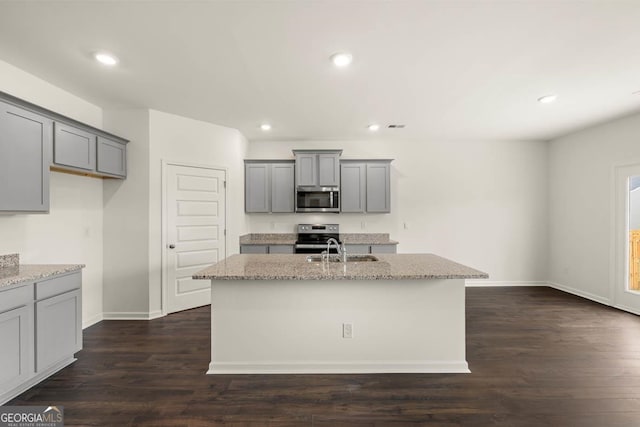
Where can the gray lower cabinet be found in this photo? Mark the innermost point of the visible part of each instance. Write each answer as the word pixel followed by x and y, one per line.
pixel 111 157
pixel 16 336
pixel 266 249
pixel 269 186
pixel 281 249
pixel 370 249
pixel 365 186
pixel 25 138
pixel 74 147
pixel 40 331
pixel 59 329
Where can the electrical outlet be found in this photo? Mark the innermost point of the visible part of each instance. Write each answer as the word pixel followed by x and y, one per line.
pixel 406 225
pixel 347 330
pixel 363 225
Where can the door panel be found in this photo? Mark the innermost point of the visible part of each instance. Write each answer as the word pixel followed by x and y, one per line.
pixel 195 203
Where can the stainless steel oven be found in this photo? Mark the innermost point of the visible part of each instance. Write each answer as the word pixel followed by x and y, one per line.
pixel 317 199
pixel 312 238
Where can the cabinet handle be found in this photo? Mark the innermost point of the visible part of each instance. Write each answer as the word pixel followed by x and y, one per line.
pixel 172 246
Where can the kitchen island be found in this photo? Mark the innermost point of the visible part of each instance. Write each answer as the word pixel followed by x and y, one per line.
pixel 283 314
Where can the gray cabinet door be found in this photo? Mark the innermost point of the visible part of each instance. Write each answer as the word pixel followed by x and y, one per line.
pixel 58 329
pixel 281 249
pixel 328 170
pixel 256 193
pixel 378 187
pixel 16 351
pixel 353 187
pixel 111 157
pixel 25 141
pixel 74 147
pixel 254 249
pixel 358 249
pixel 306 172
pixel 383 249
pixel 282 187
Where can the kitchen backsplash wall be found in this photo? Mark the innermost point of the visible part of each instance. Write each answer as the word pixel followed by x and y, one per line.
pixel 481 203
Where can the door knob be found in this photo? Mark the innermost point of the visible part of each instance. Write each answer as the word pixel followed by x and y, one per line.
pixel 172 246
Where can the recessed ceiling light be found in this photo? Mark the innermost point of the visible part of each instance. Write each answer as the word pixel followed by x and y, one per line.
pixel 373 127
pixel 547 99
pixel 106 59
pixel 265 127
pixel 341 59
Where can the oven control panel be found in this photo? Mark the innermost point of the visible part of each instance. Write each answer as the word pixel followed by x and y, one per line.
pixel 318 228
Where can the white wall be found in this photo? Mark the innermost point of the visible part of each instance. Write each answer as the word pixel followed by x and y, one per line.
pixel 126 221
pixel 179 139
pixel 72 233
pixel 480 203
pixel 580 173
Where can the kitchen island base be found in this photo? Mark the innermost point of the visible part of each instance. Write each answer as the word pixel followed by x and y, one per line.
pixel 298 327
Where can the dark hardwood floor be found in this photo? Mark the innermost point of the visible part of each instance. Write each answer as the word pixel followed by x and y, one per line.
pixel 539 357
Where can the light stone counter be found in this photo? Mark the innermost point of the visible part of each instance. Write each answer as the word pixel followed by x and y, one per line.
pixel 13 273
pixel 296 267
pixel 290 239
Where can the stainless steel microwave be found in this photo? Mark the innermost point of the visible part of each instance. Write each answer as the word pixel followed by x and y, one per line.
pixel 317 199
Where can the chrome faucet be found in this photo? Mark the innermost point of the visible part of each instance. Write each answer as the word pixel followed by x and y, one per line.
pixel 342 251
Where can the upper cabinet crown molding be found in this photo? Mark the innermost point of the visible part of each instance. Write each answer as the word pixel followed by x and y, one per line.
pixel 57 117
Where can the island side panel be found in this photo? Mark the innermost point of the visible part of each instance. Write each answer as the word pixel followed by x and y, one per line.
pixel 265 326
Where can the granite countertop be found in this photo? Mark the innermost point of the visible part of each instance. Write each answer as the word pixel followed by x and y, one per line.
pixel 14 273
pixel 268 239
pixel 290 239
pixel 296 267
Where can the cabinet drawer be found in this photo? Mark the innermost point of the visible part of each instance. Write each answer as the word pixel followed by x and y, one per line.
pixel 58 285
pixel 383 249
pixel 358 249
pixel 16 297
pixel 254 249
pixel 281 249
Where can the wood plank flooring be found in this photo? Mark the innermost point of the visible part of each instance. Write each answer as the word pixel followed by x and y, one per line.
pixel 539 357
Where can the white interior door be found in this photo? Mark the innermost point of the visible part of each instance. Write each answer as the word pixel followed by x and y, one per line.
pixel 195 232
pixel 626 298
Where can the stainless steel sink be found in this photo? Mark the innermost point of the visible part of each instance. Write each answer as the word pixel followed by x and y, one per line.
pixel 336 258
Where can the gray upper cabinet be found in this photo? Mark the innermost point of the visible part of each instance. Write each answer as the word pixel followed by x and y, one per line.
pixel 25 140
pixel 282 189
pixel 111 157
pixel 329 170
pixel 269 186
pixel 256 192
pixel 74 147
pixel 306 169
pixel 317 168
pixel 353 187
pixel 365 186
pixel 378 187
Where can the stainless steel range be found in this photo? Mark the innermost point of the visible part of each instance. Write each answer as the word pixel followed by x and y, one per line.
pixel 313 238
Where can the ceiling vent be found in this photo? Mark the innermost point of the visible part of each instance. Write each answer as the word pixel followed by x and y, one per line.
pixel 395 126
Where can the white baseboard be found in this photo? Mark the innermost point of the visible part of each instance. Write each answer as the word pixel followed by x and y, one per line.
pixel 488 283
pixel 347 367
pixel 580 293
pixel 92 320
pixel 131 315
pixel 629 309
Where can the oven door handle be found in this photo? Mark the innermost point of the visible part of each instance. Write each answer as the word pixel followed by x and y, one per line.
pixel 310 246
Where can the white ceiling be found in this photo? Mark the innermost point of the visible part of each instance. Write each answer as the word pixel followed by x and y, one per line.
pixel 448 70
